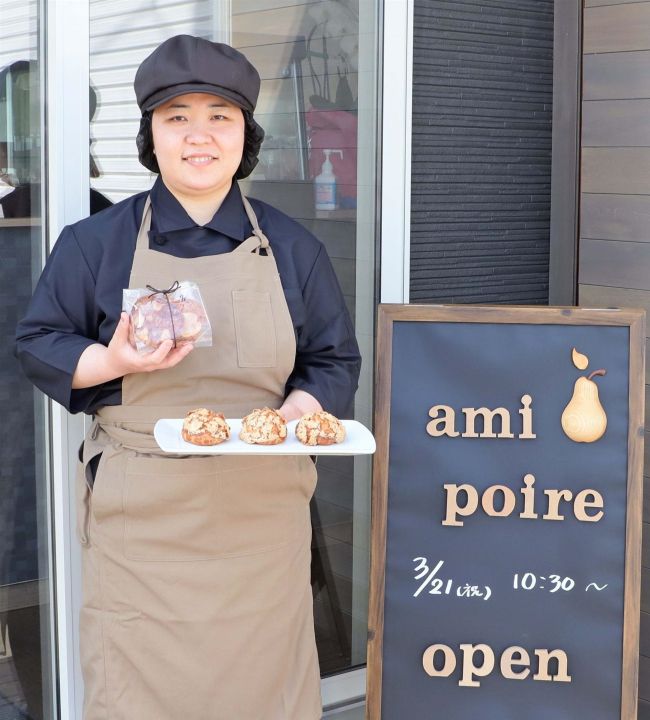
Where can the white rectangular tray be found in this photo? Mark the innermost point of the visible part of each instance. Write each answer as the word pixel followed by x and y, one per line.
pixel 358 441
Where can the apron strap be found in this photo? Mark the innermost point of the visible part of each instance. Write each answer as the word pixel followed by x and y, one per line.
pixel 142 242
pixel 258 239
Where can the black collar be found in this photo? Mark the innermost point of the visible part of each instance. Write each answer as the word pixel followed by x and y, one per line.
pixel 169 215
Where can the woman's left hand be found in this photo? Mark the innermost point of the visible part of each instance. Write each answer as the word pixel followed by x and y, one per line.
pixel 297 403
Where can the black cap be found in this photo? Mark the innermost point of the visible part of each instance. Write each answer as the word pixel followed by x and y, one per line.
pixel 186 64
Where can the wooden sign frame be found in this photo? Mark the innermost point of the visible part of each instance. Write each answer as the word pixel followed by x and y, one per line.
pixel 633 319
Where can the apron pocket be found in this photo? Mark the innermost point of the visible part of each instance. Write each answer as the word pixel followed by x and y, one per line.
pixel 254 328
pixel 206 508
pixel 168 506
pixel 264 502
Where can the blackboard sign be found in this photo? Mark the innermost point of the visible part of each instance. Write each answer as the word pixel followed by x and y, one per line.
pixel 507 503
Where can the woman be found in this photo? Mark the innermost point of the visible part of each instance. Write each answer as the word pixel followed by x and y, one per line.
pixel 197 599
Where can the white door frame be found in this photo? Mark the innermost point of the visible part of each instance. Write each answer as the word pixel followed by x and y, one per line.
pixel 67 166
pixel 397 69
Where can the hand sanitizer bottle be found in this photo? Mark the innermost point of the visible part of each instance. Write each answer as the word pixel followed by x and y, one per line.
pixel 325 184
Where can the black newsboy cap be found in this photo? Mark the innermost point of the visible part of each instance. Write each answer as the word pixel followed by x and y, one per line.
pixel 186 64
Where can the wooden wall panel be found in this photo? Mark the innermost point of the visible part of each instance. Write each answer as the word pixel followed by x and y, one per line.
pixel 616 76
pixel 606 297
pixel 616 170
pixel 598 3
pixel 616 123
pixel 615 217
pixel 615 264
pixel 614 252
pixel 617 28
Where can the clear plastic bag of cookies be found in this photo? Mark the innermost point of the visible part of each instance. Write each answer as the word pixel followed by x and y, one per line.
pixel 176 313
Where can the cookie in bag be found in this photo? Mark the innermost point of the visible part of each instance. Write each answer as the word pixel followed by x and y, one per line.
pixel 168 315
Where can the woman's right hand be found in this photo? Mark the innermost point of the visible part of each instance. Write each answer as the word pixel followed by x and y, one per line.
pixel 126 359
pixel 99 364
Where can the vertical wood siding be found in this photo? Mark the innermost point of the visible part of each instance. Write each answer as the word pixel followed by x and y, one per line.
pixel 481 166
pixel 615 200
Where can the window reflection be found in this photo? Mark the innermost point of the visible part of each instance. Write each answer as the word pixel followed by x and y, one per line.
pixel 25 611
pixel 20 179
pixel 309 56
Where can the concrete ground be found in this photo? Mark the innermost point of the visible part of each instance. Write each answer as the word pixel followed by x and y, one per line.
pixel 12 705
pixel 353 713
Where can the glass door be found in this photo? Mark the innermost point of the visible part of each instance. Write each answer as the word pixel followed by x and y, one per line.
pixel 318 63
pixel 26 649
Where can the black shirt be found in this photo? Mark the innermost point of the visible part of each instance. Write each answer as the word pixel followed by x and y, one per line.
pixel 78 299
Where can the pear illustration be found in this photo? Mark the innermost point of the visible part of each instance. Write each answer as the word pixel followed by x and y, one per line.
pixel 584 419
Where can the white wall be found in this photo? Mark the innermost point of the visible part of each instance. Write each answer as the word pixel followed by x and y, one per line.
pixel 18 37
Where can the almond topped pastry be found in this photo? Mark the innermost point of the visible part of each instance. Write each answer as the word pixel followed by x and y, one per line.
pixel 156 318
pixel 205 427
pixel 263 427
pixel 320 428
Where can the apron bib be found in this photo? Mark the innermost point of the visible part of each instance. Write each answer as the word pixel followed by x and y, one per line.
pixel 197 599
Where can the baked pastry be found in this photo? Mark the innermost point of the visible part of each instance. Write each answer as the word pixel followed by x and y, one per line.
pixel 153 321
pixel 205 427
pixel 320 428
pixel 263 427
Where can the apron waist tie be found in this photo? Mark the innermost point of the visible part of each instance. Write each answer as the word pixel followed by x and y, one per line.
pixel 103 433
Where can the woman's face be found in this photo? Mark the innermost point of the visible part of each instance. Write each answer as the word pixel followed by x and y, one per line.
pixel 199 141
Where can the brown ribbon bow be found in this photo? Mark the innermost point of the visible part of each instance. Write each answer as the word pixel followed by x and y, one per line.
pixel 171 289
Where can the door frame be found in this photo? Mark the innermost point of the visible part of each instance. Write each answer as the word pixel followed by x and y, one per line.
pixel 395 175
pixel 565 161
pixel 66 138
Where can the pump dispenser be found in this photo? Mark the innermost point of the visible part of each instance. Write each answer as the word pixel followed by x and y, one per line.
pixel 325 183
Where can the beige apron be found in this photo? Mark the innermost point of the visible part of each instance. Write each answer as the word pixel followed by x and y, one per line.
pixel 196 570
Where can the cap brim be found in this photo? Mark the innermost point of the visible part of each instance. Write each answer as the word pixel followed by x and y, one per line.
pixel 166 94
